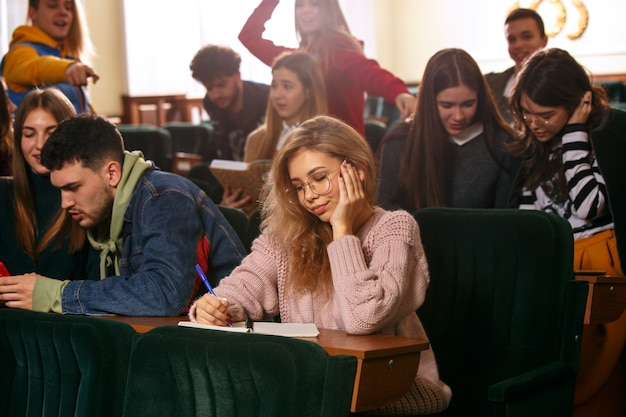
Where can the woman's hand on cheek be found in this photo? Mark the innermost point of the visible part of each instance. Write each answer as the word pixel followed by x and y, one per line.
pixel 351 200
pixel 581 113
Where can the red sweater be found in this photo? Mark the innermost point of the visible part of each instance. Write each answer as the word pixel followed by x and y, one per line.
pixel 348 74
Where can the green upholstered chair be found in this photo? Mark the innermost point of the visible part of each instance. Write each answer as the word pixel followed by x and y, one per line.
pixel 188 372
pixel 155 143
pixel 374 133
pixel 502 311
pixel 254 227
pixel 201 175
pixel 238 219
pixel 376 108
pixel 62 365
pixel 610 149
pixel 194 138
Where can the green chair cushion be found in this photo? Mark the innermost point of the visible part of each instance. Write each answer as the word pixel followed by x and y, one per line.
pixel 62 365
pixel 196 372
pixel 499 303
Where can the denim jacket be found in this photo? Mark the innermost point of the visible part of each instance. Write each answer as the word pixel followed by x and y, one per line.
pixel 166 217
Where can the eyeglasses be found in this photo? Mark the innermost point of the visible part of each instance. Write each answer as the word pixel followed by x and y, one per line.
pixel 538 120
pixel 318 183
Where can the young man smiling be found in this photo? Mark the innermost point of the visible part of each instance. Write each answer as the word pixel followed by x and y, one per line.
pixel 525 33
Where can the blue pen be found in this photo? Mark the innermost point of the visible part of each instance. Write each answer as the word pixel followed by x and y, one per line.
pixel 207 284
pixel 205 280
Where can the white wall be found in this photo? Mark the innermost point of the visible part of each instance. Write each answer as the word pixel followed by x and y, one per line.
pixel 401 34
pixel 410 31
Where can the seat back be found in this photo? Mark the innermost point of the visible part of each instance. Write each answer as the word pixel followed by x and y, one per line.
pixel 374 133
pixel 62 365
pixel 254 227
pixel 239 221
pixel 191 138
pixel 609 146
pixel 376 108
pixel 499 301
pixel 195 372
pixel 155 143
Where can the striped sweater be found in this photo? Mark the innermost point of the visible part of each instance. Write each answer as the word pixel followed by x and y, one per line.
pixel 586 206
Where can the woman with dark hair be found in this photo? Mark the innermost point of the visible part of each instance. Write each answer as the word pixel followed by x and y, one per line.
pixel 36 235
pixel 452 153
pixel 561 114
pixel 6 131
pixel 558 110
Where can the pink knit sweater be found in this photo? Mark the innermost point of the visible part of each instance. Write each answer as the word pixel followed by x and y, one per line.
pixel 380 276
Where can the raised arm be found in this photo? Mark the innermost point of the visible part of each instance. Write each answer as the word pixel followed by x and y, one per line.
pixel 355 68
pixel 251 35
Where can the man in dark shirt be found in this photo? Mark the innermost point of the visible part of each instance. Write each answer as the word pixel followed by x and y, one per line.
pixel 235 107
pixel 525 34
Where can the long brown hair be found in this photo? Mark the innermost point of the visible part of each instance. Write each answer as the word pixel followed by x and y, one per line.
pixel 6 132
pixel 334 34
pixel 423 169
pixel 303 235
pixel 551 78
pixel 26 227
pixel 310 75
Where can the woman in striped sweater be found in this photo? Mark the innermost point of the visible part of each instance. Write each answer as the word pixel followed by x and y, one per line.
pixel 560 112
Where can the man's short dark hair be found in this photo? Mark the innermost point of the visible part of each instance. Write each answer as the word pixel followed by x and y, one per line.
pixel 521 13
pixel 214 61
pixel 90 140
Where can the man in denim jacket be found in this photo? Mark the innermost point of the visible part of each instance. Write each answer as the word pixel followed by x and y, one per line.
pixel 146 223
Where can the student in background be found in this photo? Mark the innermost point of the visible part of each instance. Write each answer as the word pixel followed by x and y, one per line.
pixel 525 34
pixel 7 108
pixel 297 93
pixel 326 255
pixel 148 225
pixel 452 153
pixel 51 53
pixel 561 113
pixel 36 235
pixel 236 107
pixel 324 33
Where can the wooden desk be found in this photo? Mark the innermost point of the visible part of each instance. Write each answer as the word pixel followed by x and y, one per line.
pixel 386 365
pixel 606 299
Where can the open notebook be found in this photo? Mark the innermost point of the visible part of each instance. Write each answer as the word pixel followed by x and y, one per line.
pixel 263 327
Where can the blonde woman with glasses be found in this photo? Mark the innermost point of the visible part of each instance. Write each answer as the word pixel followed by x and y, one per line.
pixel 563 118
pixel 327 256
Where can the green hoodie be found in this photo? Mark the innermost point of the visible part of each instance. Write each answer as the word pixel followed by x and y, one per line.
pixel 107 238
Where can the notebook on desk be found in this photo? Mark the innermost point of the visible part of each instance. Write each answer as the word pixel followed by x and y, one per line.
pixel 262 327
